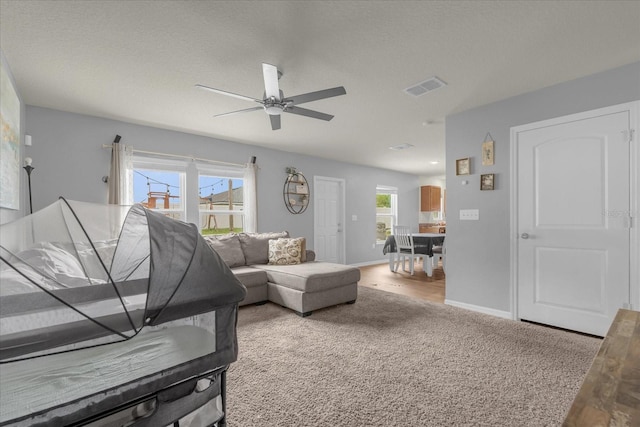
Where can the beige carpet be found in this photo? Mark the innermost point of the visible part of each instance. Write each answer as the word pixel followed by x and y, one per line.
pixel 389 360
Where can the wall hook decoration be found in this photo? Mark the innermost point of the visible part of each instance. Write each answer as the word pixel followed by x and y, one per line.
pixel 487 150
pixel 296 191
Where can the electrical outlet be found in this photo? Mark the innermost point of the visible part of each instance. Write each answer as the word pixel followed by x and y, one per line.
pixel 469 214
pixel 373 246
pixel 354 217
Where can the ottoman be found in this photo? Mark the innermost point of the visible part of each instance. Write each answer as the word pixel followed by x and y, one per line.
pixel 311 285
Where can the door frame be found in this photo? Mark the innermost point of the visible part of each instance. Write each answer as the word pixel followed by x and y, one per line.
pixel 342 241
pixel 633 108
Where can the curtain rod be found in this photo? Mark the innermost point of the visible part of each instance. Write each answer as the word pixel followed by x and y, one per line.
pixel 178 156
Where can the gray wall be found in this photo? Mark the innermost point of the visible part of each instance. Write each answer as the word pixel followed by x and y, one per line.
pixel 70 162
pixel 478 251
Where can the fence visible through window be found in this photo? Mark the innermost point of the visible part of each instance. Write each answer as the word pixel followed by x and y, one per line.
pixel 211 197
pixel 220 204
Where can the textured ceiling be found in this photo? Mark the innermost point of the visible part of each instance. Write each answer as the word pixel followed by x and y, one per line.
pixel 138 61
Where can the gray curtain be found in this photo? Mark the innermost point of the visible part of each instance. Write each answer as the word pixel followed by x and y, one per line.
pixel 120 183
pixel 114 175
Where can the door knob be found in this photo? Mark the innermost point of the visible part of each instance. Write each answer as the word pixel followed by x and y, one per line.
pixel 525 235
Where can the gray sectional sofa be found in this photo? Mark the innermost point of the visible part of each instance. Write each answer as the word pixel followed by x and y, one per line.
pixel 304 287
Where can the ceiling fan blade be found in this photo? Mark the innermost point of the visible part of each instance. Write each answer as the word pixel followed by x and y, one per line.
pixel 271 88
pixel 314 96
pixel 224 92
pixel 246 110
pixel 309 113
pixel 275 122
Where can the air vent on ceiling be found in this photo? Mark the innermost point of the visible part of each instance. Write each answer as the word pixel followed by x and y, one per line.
pixel 428 85
pixel 401 146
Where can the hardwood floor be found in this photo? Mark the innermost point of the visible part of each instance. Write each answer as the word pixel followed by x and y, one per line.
pixel 380 277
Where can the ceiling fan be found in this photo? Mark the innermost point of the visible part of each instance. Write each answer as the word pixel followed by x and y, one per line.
pixel 274 103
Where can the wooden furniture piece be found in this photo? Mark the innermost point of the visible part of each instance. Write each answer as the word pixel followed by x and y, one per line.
pixel 423 244
pixel 429 198
pixel 439 253
pixel 435 229
pixel 610 393
pixel 404 247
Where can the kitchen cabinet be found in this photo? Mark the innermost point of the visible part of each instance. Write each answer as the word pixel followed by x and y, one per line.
pixel 429 198
pixel 444 203
pixel 428 228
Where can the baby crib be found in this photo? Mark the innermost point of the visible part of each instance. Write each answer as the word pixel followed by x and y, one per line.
pixel 113 316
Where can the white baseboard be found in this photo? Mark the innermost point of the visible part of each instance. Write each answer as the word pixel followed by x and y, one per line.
pixel 480 309
pixel 364 264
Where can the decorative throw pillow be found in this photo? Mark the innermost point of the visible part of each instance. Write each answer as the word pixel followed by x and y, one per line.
pixel 285 251
pixel 228 247
pixel 303 249
pixel 255 246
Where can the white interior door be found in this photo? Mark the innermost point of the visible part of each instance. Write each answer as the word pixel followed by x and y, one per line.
pixel 329 218
pixel 573 262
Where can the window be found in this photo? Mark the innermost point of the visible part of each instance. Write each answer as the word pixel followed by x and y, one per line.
pixel 209 196
pixel 386 211
pixel 161 187
pixel 221 205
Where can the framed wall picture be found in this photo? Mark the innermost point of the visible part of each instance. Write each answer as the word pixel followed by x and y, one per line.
pixel 9 142
pixel 487 181
pixel 487 153
pixel 463 166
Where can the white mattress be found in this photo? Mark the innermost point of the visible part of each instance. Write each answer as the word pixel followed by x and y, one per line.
pixel 36 385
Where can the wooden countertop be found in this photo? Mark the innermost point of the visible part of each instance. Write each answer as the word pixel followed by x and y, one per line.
pixel 610 393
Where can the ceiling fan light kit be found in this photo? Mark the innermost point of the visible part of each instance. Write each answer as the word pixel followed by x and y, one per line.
pixel 274 102
pixel 274 109
pixel 401 147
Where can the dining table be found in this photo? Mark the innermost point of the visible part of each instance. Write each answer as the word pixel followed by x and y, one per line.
pixel 423 243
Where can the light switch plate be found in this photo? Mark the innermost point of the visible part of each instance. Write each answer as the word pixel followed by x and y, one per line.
pixel 354 217
pixel 469 214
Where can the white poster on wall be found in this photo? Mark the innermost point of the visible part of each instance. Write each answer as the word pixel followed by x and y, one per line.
pixel 10 148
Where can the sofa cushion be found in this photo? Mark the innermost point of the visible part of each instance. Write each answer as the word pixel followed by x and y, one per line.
pixel 303 249
pixel 285 251
pixel 311 276
pixel 255 246
pixel 250 277
pixel 228 247
pixel 309 256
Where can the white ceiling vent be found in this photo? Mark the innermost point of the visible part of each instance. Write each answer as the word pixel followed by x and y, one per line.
pixel 431 84
pixel 401 146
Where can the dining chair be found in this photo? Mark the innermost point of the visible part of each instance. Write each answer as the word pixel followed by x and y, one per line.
pixel 404 247
pixel 439 253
